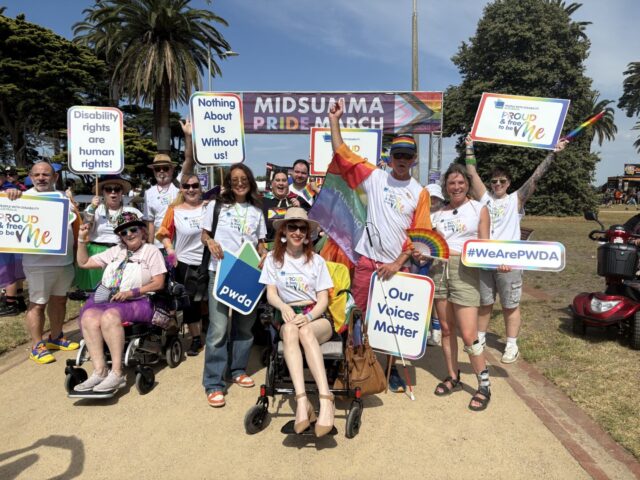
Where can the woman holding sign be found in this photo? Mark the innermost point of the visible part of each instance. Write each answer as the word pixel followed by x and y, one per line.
pixel 298 284
pixel 461 220
pixel 228 222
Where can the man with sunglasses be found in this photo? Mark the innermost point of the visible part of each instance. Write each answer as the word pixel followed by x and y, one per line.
pixel 506 211
pixel 164 192
pixel 395 203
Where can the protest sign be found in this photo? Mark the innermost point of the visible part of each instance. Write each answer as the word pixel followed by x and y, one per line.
pixel 366 142
pixel 95 140
pixel 237 279
pixel 34 224
pixel 532 122
pixel 548 256
pixel 218 132
pixel 400 306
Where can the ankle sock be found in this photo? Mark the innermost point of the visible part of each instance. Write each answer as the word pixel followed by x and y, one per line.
pixel 482 336
pixel 512 341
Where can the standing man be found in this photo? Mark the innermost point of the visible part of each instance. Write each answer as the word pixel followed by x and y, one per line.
pixel 506 211
pixel 159 196
pixel 49 276
pixel 306 191
pixel 396 202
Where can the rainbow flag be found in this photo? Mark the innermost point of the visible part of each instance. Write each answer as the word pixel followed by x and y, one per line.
pixel 276 213
pixel 308 193
pixel 340 207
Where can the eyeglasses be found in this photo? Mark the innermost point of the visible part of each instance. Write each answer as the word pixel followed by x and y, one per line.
pixel 190 186
pixel 240 181
pixel 403 156
pixel 130 230
pixel 294 227
pixel 112 189
pixel 161 169
pixel 496 181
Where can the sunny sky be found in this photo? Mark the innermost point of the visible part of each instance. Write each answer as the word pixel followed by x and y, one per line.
pixel 365 45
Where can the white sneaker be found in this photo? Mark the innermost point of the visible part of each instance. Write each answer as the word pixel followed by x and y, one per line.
pixel 435 338
pixel 510 354
pixel 111 382
pixel 88 384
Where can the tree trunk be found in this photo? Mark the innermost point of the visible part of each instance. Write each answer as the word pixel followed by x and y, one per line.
pixel 161 112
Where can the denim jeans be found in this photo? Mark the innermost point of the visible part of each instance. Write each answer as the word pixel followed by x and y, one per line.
pixel 222 351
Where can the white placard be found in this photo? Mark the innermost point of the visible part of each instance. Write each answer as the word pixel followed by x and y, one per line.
pixel 366 142
pixel 549 256
pixel 218 129
pixel 95 140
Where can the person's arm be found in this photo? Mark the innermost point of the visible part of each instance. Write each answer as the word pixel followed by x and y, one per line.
pixel 388 270
pixel 276 302
pixel 322 301
pixel 156 284
pixel 187 165
pixel 527 189
pixel 484 224
pixel 152 232
pixel 13 193
pixel 89 213
pixel 82 257
pixel 335 113
pixel 477 188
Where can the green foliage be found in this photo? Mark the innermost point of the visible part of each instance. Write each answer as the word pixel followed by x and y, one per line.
pixel 41 75
pixel 630 99
pixel 528 47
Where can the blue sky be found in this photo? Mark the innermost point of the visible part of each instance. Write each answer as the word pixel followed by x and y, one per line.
pixel 365 45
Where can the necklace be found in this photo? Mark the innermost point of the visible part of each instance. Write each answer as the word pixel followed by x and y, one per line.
pixel 112 219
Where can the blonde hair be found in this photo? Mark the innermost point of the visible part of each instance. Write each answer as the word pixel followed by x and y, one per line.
pixel 180 197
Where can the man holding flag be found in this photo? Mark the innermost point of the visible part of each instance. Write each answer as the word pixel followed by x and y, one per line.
pixel 395 203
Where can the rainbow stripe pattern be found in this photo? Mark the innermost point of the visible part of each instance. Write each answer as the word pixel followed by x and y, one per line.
pixel 578 130
pixel 430 243
pixel 403 141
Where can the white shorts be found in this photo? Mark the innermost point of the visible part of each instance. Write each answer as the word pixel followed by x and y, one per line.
pixel 45 282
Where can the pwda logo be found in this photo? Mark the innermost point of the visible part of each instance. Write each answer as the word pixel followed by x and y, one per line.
pixel 499 104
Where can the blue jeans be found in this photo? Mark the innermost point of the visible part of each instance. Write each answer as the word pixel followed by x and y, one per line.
pixel 219 347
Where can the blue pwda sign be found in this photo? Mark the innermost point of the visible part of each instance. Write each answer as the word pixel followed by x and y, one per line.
pixel 237 279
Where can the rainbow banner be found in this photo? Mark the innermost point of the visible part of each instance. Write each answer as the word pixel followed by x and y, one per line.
pixel 578 130
pixel 532 122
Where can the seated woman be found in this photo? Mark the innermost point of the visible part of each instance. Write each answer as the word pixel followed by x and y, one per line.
pixel 298 284
pixel 132 269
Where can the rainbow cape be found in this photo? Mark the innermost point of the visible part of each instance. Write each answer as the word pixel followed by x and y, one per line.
pixel 429 243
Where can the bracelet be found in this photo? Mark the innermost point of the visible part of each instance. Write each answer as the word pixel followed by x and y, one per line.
pixel 309 316
pixel 470 160
pixel 82 241
pixel 136 292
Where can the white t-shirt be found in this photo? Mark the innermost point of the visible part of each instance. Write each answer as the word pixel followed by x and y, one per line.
pixel 187 242
pixel 297 280
pixel 42 259
pixel 390 207
pixel 457 228
pixel 104 222
pixel 301 193
pixel 237 223
pixel 505 217
pixel 156 203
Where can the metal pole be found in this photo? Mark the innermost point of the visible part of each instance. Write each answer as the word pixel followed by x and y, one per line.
pixel 414 74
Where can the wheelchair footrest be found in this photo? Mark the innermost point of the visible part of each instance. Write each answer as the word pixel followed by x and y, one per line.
pixel 93 395
pixel 287 429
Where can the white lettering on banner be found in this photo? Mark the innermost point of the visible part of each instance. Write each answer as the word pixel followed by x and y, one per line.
pixel 549 256
pixel 316 105
pixel 225 290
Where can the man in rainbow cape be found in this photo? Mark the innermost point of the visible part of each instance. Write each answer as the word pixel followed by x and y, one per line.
pixel 375 239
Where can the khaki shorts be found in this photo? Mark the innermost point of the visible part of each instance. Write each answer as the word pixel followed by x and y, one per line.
pixel 506 284
pixel 456 283
pixel 48 281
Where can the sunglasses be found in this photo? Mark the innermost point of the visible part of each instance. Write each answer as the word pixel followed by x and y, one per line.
pixel 161 169
pixel 190 186
pixel 496 181
pixel 403 156
pixel 127 231
pixel 112 189
pixel 294 227
pixel 240 181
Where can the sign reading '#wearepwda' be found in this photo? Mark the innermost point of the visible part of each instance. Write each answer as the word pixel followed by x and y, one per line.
pixel 549 256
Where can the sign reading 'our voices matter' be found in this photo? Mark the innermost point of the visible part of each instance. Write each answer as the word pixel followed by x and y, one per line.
pixel 95 138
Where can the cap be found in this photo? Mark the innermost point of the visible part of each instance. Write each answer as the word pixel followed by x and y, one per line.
pixel 403 144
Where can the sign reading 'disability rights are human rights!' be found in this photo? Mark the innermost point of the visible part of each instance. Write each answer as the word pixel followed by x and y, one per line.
pixel 95 138
pixel 532 122
pixel 218 129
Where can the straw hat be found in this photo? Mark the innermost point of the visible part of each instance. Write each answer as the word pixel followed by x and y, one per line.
pixel 297 213
pixel 162 159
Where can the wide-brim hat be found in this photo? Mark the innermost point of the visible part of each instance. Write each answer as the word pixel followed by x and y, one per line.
pixel 297 213
pixel 403 144
pixel 104 180
pixel 126 220
pixel 162 159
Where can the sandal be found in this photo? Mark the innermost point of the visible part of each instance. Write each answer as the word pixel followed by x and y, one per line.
pixel 483 401
pixel 442 389
pixel 244 381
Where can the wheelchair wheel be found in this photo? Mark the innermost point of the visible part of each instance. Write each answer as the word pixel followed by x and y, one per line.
pixel 145 379
pixel 353 420
pixel 74 377
pixel 255 419
pixel 173 352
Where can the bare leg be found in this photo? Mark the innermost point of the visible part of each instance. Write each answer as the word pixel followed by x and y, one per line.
pixel 484 316
pixel 311 336
pixel 93 338
pixel 57 309
pixel 293 356
pixel 35 322
pixel 113 333
pixel 512 321
pixel 467 318
pixel 449 337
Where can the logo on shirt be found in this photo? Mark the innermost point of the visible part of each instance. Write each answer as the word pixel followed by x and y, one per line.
pixel 296 282
pixel 393 200
pixel 453 225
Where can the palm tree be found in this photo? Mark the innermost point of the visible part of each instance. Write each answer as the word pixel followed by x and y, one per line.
pixel 605 128
pixel 637 142
pixel 569 10
pixel 158 49
pixel 630 99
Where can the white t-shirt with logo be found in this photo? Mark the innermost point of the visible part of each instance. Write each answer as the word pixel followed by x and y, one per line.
pixel 390 208
pixel 43 259
pixel 237 223
pixel 187 243
pixel 297 280
pixel 458 227
pixel 505 217
pixel 105 221
pixel 156 203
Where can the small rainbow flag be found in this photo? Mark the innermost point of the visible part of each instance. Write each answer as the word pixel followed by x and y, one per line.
pixel 308 192
pixel 576 131
pixel 276 213
pixel 429 243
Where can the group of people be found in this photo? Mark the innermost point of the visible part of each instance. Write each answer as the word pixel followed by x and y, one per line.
pixel 123 255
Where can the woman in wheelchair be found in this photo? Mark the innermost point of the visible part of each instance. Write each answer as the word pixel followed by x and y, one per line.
pixel 298 284
pixel 132 269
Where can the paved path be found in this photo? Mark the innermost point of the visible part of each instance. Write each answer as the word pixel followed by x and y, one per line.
pixel 530 430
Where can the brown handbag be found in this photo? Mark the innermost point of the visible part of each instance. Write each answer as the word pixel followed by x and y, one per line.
pixel 363 368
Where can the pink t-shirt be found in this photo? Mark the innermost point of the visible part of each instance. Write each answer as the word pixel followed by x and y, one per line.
pixel 148 256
